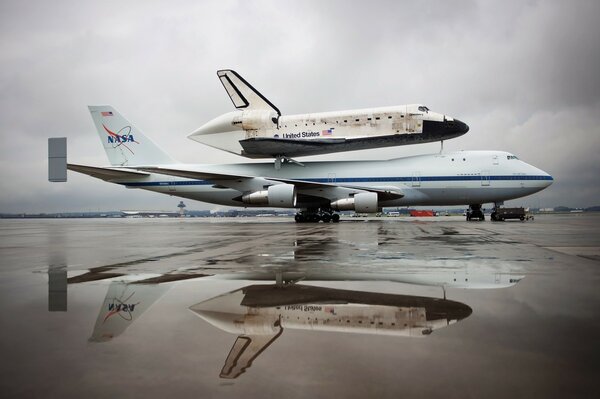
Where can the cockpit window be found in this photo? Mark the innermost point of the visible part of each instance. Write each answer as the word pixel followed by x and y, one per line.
pixel 511 157
pixel 423 108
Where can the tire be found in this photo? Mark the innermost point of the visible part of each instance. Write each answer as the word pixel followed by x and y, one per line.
pixel 326 218
pixel 335 218
pixel 299 218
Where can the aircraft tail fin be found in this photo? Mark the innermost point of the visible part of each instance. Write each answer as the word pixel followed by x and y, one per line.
pixel 124 304
pixel 124 144
pixel 242 94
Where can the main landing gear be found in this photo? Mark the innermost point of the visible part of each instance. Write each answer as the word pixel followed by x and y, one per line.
pixel 475 213
pixel 317 215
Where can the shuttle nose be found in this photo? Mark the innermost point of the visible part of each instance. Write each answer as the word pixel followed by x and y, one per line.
pixel 446 129
pixel 461 127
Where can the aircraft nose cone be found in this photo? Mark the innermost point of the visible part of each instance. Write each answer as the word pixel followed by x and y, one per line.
pixel 461 127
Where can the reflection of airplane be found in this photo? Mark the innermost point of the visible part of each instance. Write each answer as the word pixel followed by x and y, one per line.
pixel 260 313
pixel 258 130
pixel 445 277
pixel 318 188
pixel 123 304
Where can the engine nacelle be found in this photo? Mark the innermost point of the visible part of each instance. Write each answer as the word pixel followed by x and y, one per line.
pixel 362 202
pixel 259 119
pixel 278 195
pixel 282 195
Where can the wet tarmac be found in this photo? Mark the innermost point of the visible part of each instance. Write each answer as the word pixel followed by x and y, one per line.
pixel 264 307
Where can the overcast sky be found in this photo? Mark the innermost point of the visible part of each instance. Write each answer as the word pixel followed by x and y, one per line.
pixel 523 75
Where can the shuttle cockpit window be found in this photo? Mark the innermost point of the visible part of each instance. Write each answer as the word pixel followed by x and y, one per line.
pixel 423 108
pixel 511 157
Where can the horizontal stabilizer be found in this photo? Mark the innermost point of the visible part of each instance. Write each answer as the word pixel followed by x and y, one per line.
pixel 106 173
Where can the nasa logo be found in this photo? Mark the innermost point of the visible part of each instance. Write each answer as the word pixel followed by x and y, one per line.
pixel 120 138
pixel 122 308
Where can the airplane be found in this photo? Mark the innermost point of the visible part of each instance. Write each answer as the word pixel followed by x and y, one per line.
pixel 258 130
pixel 258 314
pixel 317 189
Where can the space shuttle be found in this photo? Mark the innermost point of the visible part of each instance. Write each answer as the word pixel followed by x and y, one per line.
pixel 259 314
pixel 257 129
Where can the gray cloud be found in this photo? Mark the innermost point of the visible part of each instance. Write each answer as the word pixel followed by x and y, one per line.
pixel 522 74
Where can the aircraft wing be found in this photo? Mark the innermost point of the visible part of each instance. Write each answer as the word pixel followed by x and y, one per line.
pixel 315 189
pixel 107 174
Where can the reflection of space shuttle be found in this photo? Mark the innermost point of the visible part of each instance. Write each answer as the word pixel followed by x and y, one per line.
pixel 258 130
pixel 260 313
pixel 123 304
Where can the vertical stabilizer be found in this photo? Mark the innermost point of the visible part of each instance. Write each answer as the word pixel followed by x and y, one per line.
pixel 245 349
pixel 124 144
pixel 242 94
pixel 124 304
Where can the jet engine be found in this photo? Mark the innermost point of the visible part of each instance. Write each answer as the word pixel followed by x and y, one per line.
pixel 279 195
pixel 362 202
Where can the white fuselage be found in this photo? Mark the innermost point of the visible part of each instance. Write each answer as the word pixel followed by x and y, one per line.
pixel 458 178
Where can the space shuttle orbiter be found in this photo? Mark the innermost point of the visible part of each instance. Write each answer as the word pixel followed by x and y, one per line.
pixel 258 314
pixel 258 130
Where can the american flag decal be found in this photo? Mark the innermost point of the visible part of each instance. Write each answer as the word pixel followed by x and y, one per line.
pixel 106 113
pixel 327 132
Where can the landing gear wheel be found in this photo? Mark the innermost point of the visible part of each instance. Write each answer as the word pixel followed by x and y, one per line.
pixel 475 213
pixel 326 217
pixel 335 218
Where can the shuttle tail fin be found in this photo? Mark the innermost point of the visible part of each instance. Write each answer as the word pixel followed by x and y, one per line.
pixel 242 94
pixel 245 349
pixel 124 144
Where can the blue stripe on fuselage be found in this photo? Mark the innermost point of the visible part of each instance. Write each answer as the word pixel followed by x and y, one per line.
pixel 355 180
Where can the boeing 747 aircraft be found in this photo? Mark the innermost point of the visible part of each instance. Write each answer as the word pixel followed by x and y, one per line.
pixel 316 189
pixel 258 130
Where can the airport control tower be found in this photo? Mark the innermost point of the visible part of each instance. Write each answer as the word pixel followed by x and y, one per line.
pixel 181 207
